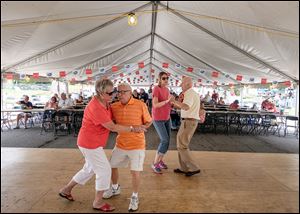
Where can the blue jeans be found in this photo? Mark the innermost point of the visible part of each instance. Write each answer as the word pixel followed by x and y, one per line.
pixel 163 128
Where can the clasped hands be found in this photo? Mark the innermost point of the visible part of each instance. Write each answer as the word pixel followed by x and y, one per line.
pixel 140 128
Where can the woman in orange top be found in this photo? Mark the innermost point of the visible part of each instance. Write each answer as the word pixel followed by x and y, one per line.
pixel 93 135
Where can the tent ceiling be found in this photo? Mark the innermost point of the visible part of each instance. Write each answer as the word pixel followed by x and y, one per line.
pixel 230 37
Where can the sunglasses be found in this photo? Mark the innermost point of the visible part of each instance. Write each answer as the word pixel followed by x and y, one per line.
pixel 165 78
pixel 122 92
pixel 110 93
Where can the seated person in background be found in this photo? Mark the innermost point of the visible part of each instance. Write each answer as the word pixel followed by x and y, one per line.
pixel 207 98
pixel 79 101
pixel 25 104
pixel 202 113
pixel 234 105
pixel 215 96
pixel 64 102
pixel 221 101
pixel 52 103
pixel 267 105
pixel 135 94
pixel 254 107
pixel 143 96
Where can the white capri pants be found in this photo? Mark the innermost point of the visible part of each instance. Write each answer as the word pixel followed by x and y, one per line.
pixel 95 163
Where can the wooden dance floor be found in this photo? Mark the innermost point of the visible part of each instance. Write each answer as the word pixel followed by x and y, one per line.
pixel 229 182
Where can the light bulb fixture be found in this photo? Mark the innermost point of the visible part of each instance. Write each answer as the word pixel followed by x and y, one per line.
pixel 132 19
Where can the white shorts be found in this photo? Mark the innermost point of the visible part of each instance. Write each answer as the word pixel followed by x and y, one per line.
pixel 121 158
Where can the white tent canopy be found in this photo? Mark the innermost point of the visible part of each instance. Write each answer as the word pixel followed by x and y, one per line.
pixel 252 39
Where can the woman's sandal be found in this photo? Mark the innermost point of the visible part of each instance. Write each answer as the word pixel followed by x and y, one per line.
pixel 67 196
pixel 105 208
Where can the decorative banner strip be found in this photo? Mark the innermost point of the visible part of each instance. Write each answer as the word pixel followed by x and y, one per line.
pixel 189 69
pixel 239 77
pixel 215 74
pixel 88 71
pixel 141 64
pixel 114 68
pixel 263 81
pixel 35 75
pixel 165 65
pixel 62 74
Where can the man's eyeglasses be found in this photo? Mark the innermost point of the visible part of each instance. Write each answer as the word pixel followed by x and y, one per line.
pixel 110 93
pixel 165 78
pixel 122 92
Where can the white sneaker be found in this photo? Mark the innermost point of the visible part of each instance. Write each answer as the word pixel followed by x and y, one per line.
pixel 111 192
pixel 134 204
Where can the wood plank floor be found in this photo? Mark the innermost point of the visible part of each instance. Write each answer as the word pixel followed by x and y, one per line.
pixel 229 182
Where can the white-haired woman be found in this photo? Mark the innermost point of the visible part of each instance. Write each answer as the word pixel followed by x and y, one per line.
pixel 96 125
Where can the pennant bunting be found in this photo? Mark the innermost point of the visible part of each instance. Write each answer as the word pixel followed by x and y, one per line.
pixel 251 79
pixel 114 68
pixel 215 83
pixel 49 74
pixel 101 70
pixel 239 77
pixel 22 76
pixel 89 78
pixel 121 75
pixel 141 64
pixel 165 65
pixel 202 71
pixel 199 80
pixel 189 69
pixel 227 75
pixel 137 72
pixel 215 74
pixel 152 70
pixel 75 72
pixel 35 75
pixel 287 83
pixel 88 71
pixel 178 66
pixel 9 76
pixel 263 81
pixel 62 74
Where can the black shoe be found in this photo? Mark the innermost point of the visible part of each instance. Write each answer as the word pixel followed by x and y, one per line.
pixel 179 171
pixel 188 174
pixel 17 127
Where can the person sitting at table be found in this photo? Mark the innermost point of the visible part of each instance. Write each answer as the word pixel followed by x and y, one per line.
pixel 221 101
pixel 234 105
pixel 52 103
pixel 267 105
pixel 215 97
pixel 25 104
pixel 79 101
pixel 64 102
pixel 254 107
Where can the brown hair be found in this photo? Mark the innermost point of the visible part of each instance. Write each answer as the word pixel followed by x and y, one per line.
pixel 160 75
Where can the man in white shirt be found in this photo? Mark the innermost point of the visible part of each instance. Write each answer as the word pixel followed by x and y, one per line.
pixel 64 102
pixel 190 117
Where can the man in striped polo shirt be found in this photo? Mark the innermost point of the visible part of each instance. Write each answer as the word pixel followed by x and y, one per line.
pixel 130 146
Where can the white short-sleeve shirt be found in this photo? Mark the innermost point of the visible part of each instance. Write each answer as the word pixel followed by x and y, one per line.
pixel 192 99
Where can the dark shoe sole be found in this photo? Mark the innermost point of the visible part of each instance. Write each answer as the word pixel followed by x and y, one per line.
pixel 179 171
pixel 188 174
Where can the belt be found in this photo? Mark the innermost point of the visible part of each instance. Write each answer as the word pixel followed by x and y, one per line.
pixel 189 119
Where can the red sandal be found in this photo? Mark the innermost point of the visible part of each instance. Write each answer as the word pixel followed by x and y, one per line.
pixel 67 196
pixel 105 208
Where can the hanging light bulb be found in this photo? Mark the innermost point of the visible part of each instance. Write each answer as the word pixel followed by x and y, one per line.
pixel 132 19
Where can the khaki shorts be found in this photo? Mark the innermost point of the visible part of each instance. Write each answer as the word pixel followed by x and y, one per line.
pixel 121 158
